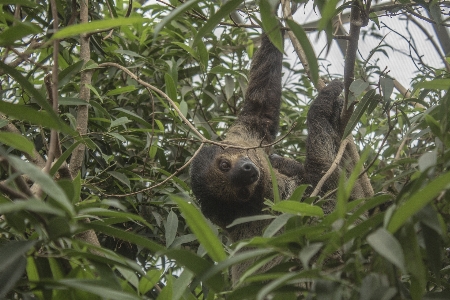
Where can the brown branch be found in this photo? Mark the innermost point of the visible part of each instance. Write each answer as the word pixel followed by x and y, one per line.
pixel 77 157
pixel 356 21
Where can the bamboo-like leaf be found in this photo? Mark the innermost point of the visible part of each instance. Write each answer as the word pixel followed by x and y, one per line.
pixel 300 34
pixel 201 229
pixel 95 25
pixel 298 208
pixel 418 201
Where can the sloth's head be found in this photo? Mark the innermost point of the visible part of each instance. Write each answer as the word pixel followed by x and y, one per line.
pixel 228 183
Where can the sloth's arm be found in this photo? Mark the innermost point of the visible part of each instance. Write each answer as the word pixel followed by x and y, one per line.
pixel 286 166
pixel 261 110
pixel 323 134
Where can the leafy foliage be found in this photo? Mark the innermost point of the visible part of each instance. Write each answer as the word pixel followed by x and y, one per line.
pixel 155 244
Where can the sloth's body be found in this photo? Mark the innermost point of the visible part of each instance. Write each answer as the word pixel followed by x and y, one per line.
pixel 231 183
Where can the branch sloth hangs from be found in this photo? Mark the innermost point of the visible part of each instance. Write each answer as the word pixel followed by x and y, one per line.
pixel 230 183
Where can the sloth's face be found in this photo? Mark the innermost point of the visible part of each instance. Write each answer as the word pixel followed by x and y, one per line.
pixel 227 174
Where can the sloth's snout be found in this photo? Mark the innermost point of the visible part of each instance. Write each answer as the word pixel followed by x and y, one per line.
pixel 245 172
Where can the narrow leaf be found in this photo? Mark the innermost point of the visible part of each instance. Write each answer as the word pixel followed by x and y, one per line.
pixel 174 15
pixel 201 229
pixel 95 25
pixel 301 36
pixel 359 111
pixel 298 208
pixel 17 141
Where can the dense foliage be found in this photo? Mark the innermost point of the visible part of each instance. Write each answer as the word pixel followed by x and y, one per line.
pixel 154 241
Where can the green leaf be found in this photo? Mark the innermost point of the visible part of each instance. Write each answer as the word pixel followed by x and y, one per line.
pixel 124 235
pixel 17 141
pixel 270 22
pixel 174 15
pixel 171 88
pixel 199 266
pixel 417 201
pixel 301 36
pixel 45 182
pixel 95 26
pixel 121 90
pixel 18 31
pixel 387 86
pixel 438 84
pixel 358 87
pixel 171 228
pixel 298 208
pixel 108 290
pixel 34 205
pixel 359 111
pixel 215 19
pixel 276 225
pixel 121 177
pixel 148 281
pixel 201 229
pixel 387 246
pixel 327 13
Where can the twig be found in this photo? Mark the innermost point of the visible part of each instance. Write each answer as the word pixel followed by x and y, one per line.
pixel 333 166
pixel 430 38
pixel 162 182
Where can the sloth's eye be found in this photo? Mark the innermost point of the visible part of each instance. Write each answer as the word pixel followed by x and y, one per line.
pixel 224 165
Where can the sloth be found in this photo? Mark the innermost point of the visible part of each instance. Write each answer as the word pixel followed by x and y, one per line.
pixel 230 183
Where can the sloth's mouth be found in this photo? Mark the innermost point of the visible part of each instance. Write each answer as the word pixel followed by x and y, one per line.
pixel 244 194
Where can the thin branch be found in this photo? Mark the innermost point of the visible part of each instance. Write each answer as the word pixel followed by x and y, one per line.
pixel 333 166
pixel 356 22
pixel 430 38
pixel 165 180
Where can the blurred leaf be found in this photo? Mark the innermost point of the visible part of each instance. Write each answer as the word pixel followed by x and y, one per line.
pixel 148 282
pixel 18 31
pixel 387 246
pixel 301 36
pixel 17 141
pixel 100 288
pixel 417 201
pixel 439 84
pixel 201 229
pixel 96 25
